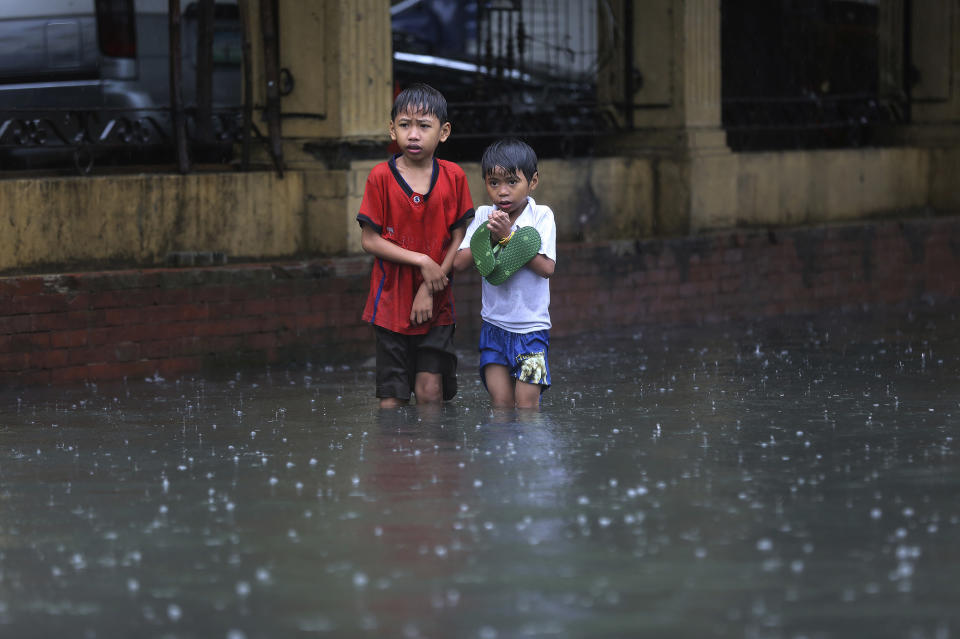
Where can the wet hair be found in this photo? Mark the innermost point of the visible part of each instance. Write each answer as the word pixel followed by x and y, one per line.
pixel 511 155
pixel 420 98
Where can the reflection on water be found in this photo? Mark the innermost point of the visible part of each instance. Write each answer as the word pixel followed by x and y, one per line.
pixel 777 479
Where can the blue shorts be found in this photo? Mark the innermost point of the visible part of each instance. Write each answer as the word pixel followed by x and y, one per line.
pixel 525 354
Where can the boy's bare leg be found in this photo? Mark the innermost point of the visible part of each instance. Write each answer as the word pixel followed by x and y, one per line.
pixel 428 388
pixel 527 395
pixel 500 385
pixel 392 402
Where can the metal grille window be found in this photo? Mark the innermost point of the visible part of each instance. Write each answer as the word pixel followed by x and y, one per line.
pixel 507 67
pixel 801 74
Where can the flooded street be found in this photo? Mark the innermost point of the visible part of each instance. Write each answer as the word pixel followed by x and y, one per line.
pixel 788 478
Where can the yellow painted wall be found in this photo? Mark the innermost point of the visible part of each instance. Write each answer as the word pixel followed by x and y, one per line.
pixel 944 174
pixel 592 199
pixel 338 54
pixel 139 219
pixel 798 188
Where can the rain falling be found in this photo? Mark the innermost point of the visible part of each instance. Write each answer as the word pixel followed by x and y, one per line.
pixel 790 478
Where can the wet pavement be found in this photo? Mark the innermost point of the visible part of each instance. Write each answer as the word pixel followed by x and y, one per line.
pixel 787 478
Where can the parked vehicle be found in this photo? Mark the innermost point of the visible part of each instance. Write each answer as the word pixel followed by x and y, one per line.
pixel 85 76
pixel 68 53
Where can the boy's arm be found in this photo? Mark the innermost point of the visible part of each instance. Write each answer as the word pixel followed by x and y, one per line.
pixel 463 259
pixel 542 265
pixel 456 238
pixel 422 310
pixel 434 276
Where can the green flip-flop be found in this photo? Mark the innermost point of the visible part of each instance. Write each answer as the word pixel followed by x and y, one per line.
pixel 483 257
pixel 522 247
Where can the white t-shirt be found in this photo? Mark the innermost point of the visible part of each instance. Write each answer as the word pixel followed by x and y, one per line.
pixel 522 303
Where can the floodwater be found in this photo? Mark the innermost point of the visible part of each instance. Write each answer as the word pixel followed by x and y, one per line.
pixel 790 478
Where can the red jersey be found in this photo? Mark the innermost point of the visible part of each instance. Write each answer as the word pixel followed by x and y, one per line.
pixel 420 222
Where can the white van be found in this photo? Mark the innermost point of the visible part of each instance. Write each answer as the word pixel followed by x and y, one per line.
pixel 68 53
pixel 104 59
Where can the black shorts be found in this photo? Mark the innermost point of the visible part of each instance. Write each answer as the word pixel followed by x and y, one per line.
pixel 400 357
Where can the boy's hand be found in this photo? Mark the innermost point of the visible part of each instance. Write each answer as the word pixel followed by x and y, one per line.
pixel 433 275
pixel 499 225
pixel 422 310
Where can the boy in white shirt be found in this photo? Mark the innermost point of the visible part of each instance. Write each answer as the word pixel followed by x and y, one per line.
pixel 515 334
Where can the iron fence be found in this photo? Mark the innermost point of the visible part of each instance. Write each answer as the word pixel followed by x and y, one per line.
pixel 811 122
pixel 83 138
pixel 507 67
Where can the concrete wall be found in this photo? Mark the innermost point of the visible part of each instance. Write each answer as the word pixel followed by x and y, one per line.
pixel 138 219
pixel 592 199
pixel 798 188
pixel 56 223
pixel 944 171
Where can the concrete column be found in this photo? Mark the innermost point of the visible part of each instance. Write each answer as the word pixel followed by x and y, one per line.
pixel 934 93
pixel 337 55
pixel 338 90
pixel 701 65
pixel 673 111
pixel 675 79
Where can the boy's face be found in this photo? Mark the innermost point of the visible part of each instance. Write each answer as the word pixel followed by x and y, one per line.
pixel 418 134
pixel 508 191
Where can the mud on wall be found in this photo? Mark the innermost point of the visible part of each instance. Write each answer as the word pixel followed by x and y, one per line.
pixel 138 219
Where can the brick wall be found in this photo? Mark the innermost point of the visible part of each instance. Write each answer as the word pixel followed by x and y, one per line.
pixel 77 327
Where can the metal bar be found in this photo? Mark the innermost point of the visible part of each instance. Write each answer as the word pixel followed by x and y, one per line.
pixel 246 60
pixel 204 79
pixel 176 93
pixel 500 44
pixel 555 65
pixel 481 21
pixel 628 85
pixel 908 70
pixel 521 40
pixel 268 27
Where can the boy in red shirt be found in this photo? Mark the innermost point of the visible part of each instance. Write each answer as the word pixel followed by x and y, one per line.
pixel 413 217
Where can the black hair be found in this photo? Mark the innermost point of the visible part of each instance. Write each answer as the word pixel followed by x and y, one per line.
pixel 420 98
pixel 511 155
